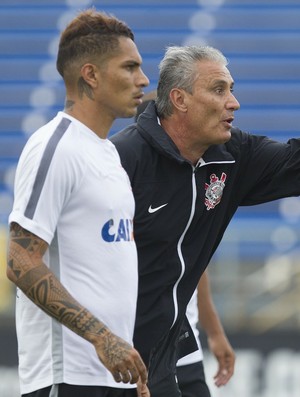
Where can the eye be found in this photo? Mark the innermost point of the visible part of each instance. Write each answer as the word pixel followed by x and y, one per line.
pixel 219 90
pixel 131 67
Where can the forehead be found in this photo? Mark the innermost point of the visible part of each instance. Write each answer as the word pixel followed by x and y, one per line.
pixel 126 51
pixel 209 72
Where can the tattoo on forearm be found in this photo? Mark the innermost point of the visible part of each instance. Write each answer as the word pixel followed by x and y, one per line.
pixel 41 285
pixel 25 249
pixel 84 88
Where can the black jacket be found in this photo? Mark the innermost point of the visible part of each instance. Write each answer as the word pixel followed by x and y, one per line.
pixel 181 214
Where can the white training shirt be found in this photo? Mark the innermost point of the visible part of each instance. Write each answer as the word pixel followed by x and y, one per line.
pixel 71 191
pixel 192 315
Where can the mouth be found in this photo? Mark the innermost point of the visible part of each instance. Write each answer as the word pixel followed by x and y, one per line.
pixel 228 121
pixel 138 98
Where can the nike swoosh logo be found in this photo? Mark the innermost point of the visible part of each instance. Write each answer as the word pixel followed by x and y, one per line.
pixel 151 210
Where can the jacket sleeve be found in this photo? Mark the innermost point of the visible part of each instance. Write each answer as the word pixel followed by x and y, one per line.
pixel 270 170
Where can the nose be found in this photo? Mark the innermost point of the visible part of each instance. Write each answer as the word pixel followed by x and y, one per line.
pixel 143 79
pixel 233 103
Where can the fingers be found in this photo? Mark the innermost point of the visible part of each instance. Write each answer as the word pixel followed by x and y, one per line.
pixel 142 390
pixel 133 369
pixel 222 350
pixel 142 370
pixel 121 359
pixel 132 372
pixel 134 375
pixel 222 378
pixel 117 376
pixel 225 371
pixel 124 376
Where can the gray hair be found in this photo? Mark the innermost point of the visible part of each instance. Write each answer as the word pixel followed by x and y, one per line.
pixel 177 70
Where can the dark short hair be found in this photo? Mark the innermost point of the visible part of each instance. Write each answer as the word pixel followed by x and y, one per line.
pixel 89 35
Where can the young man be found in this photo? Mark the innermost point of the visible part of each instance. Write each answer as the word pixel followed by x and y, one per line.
pixel 190 170
pixel 71 250
pixel 189 369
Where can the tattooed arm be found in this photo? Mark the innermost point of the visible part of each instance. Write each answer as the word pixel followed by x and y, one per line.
pixel 26 269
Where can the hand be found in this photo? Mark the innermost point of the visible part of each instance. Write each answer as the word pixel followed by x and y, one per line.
pixel 121 359
pixel 142 390
pixel 222 350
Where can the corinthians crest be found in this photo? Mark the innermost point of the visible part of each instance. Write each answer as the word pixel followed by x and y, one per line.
pixel 214 190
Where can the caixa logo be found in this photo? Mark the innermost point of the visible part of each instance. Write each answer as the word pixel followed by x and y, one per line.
pixel 121 232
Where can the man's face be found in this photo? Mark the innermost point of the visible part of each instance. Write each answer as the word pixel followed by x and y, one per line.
pixel 122 81
pixel 211 106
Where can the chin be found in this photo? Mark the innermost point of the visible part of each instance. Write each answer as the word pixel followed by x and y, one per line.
pixel 129 113
pixel 226 137
pixel 228 134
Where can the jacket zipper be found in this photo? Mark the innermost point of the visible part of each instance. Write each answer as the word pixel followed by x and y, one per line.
pixel 179 244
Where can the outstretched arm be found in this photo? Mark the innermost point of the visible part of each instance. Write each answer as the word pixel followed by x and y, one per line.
pixel 26 269
pixel 217 340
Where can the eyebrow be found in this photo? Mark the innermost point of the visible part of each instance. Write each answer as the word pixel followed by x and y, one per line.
pixel 131 62
pixel 223 82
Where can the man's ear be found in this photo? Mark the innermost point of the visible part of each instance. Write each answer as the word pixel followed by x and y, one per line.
pixel 90 74
pixel 178 99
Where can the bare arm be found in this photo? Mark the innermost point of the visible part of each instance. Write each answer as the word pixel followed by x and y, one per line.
pixel 217 340
pixel 26 269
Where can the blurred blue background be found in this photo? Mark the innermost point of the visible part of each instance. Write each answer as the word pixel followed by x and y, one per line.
pixel 255 273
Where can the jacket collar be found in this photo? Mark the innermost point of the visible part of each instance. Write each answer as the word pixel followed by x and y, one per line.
pixel 155 135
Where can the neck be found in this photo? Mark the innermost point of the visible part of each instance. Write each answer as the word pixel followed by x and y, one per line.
pixel 88 115
pixel 189 149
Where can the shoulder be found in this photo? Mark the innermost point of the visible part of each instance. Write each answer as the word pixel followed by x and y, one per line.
pixel 125 137
pixel 247 142
pixel 240 141
pixel 129 143
pixel 42 145
pixel 59 147
pixel 238 136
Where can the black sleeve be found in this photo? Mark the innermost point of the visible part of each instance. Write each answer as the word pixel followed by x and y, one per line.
pixel 269 170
